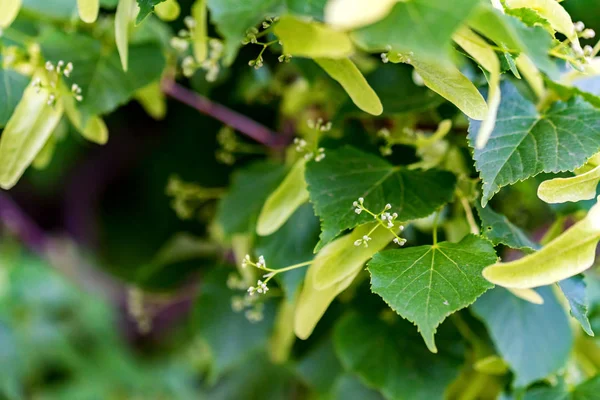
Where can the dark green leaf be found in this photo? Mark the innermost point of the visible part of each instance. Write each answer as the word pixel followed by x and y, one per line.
pixel 425 284
pixel 293 243
pixel 347 387
pixel 347 174
pixel 386 359
pixel 500 230
pixel 146 7
pixel 12 86
pixel 574 290
pixel 421 26
pixel 229 335
pixel 56 9
pixel 587 390
pixel 535 340
pixel 320 368
pixel 525 142
pixel 238 210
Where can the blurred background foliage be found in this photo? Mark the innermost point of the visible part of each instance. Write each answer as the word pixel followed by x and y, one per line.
pixel 74 323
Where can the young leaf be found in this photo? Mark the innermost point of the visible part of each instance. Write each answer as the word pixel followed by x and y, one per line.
pixel 250 187
pixel 423 26
pixel 95 129
pixel 425 284
pixel 26 133
pixel 88 10
pixel 282 339
pixel 200 36
pixel 519 146
pixel 123 18
pixel 168 10
pixel 313 302
pixel 146 7
pixel 12 86
pixel 387 358
pixel 529 295
pixel 351 14
pixel 445 79
pixel 485 56
pixel 574 290
pixel 153 100
pixel 284 201
pixel 535 340
pixel 576 188
pixel 497 228
pixel 311 39
pixel 8 11
pixel 347 174
pixel 354 83
pixel 568 255
pixel 338 260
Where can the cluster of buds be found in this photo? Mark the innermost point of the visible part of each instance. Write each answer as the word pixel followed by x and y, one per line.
pixel 257 63
pixel 181 42
pixel 582 32
pixel 211 64
pixel 253 33
pixel 253 308
pixel 55 72
pixel 261 288
pixel 285 58
pixel 384 219
pixel 312 151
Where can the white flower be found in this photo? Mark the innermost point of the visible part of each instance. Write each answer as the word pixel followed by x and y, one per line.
pixel 261 262
pixel 320 154
pixel 251 290
pixel 68 69
pixel 358 210
pixel 579 26
pixel 49 66
pixel 399 241
pixel 358 242
pixel 364 241
pixel 261 287
pixel 246 261
pixel 388 206
pixel 588 34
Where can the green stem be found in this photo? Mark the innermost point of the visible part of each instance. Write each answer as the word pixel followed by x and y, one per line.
pixel 302 264
pixel 435 226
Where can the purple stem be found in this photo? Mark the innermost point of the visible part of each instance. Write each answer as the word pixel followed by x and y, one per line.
pixel 237 121
pixel 21 225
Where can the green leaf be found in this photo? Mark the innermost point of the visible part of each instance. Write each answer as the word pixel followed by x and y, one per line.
pixel 421 26
pixel 146 7
pixel 214 317
pixel 525 142
pixel 535 340
pixel 426 284
pixel 354 83
pixel 320 367
pixel 311 39
pixel 385 358
pixel 105 86
pixel 348 387
pixel 574 290
pixel 497 228
pixel 347 174
pixel 12 86
pixel 55 10
pixel 238 210
pixel 567 255
pixel 282 203
pixel 529 17
pixel 587 390
pixel 292 244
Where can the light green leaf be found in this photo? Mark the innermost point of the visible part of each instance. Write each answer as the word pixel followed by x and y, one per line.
pixel 146 7
pixel 292 244
pixel 526 142
pixel 569 254
pixel 123 17
pixel 387 358
pixel 351 14
pixel 8 11
pixel 282 339
pixel 95 130
pixel 168 10
pixel 26 133
pixel 284 201
pixel 153 100
pixel 346 174
pixel 250 187
pixel 348 260
pixel 354 83
pixel 88 10
pixel 421 26
pixel 535 340
pixel 574 290
pixel 515 36
pixel 12 86
pixel 311 39
pixel 497 228
pixel 485 55
pixel 320 368
pixel 445 79
pixel 576 188
pixel 98 71
pixel 425 284
pixel 200 34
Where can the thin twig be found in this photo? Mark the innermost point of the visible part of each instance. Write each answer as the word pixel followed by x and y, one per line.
pixel 237 121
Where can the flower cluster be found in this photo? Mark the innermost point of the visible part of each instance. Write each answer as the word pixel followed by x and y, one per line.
pixel 384 219
pixel 311 150
pixel 261 287
pixel 55 73
pixel 189 197
pixel 253 36
pixel 230 145
pixel 587 51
